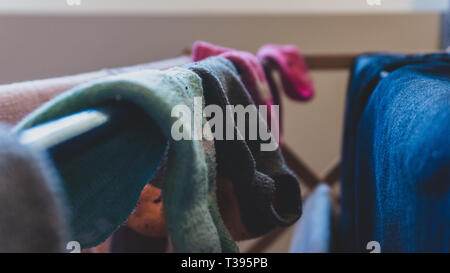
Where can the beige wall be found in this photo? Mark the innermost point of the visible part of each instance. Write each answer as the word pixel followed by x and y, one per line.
pixel 33 47
pixel 41 46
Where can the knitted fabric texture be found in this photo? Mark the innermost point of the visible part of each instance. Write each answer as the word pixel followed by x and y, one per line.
pixel 288 60
pixel 251 73
pixel 33 204
pixel 104 183
pixel 248 66
pixel 292 75
pixel 267 192
pixel 19 99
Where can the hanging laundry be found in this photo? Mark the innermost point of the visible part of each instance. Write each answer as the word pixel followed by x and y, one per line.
pixel 19 99
pixel 267 192
pixel 396 157
pixel 248 66
pixel 289 62
pixel 33 216
pixel 257 73
pixel 148 217
pixel 286 72
pixel 251 73
pixel 97 181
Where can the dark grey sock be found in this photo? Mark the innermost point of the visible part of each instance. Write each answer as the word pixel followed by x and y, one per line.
pixel 267 191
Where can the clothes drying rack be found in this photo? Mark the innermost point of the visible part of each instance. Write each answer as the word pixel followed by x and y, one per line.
pixel 55 135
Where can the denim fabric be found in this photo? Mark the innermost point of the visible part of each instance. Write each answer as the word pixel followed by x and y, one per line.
pixel 395 172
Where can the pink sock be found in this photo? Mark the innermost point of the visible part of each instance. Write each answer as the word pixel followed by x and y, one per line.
pixel 202 50
pixel 292 67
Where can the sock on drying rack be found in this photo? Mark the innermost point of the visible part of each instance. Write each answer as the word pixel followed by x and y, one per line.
pixel 266 190
pixel 292 68
pixel 251 73
pixel 97 181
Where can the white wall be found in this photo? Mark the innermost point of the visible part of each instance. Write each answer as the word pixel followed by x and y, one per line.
pixel 218 6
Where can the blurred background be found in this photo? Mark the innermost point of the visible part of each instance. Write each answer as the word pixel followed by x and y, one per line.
pixel 47 38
